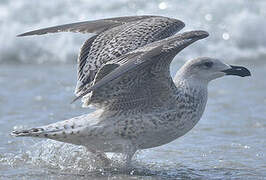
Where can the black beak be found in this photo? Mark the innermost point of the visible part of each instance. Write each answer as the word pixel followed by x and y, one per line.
pixel 238 71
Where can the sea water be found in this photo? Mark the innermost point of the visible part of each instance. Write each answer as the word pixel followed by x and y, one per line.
pixel 38 76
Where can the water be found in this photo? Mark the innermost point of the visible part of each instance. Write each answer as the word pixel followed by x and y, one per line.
pixel 37 85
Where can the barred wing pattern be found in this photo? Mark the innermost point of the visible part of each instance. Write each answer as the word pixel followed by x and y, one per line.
pixel 118 41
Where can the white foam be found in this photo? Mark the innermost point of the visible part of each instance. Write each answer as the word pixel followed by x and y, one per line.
pixel 236 28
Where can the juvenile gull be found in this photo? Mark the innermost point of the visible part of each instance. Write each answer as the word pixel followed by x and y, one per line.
pixel 124 72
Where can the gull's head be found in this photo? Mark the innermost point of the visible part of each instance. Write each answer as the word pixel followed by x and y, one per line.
pixel 206 69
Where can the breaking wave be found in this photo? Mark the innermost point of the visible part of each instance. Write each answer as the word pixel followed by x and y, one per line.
pixel 236 27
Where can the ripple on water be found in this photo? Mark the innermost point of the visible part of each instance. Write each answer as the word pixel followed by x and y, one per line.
pixel 56 158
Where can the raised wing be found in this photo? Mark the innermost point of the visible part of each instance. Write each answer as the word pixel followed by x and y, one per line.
pixel 115 37
pixel 143 75
pixel 117 41
pixel 82 61
pixel 96 26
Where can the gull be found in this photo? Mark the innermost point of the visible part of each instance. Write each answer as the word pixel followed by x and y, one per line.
pixel 124 71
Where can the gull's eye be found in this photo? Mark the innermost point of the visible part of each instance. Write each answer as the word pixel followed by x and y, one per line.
pixel 208 64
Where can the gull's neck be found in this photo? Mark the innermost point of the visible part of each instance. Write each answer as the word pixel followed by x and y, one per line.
pixel 191 91
pixel 190 81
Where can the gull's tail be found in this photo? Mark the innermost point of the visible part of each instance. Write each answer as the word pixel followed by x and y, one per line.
pixel 34 132
pixel 64 131
pixel 52 131
pixel 75 130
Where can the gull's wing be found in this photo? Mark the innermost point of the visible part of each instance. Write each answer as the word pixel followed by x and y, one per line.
pixel 96 26
pixel 114 37
pixel 112 43
pixel 142 75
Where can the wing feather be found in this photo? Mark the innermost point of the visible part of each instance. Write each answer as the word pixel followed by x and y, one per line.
pixel 82 60
pixel 96 26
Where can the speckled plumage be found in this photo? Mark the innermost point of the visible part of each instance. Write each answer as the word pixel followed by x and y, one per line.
pixel 112 43
pixel 124 72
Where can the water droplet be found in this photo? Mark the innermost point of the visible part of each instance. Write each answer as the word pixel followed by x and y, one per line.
pixel 162 5
pixel 246 147
pixel 208 17
pixel 226 36
pixel 259 155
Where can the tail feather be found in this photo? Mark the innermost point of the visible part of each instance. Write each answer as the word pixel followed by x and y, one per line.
pixel 66 131
pixel 33 132
pixel 51 131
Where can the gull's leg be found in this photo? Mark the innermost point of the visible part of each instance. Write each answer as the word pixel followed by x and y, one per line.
pixel 129 153
pixel 101 155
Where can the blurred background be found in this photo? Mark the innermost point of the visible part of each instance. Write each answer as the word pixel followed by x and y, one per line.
pixel 237 28
pixel 38 76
